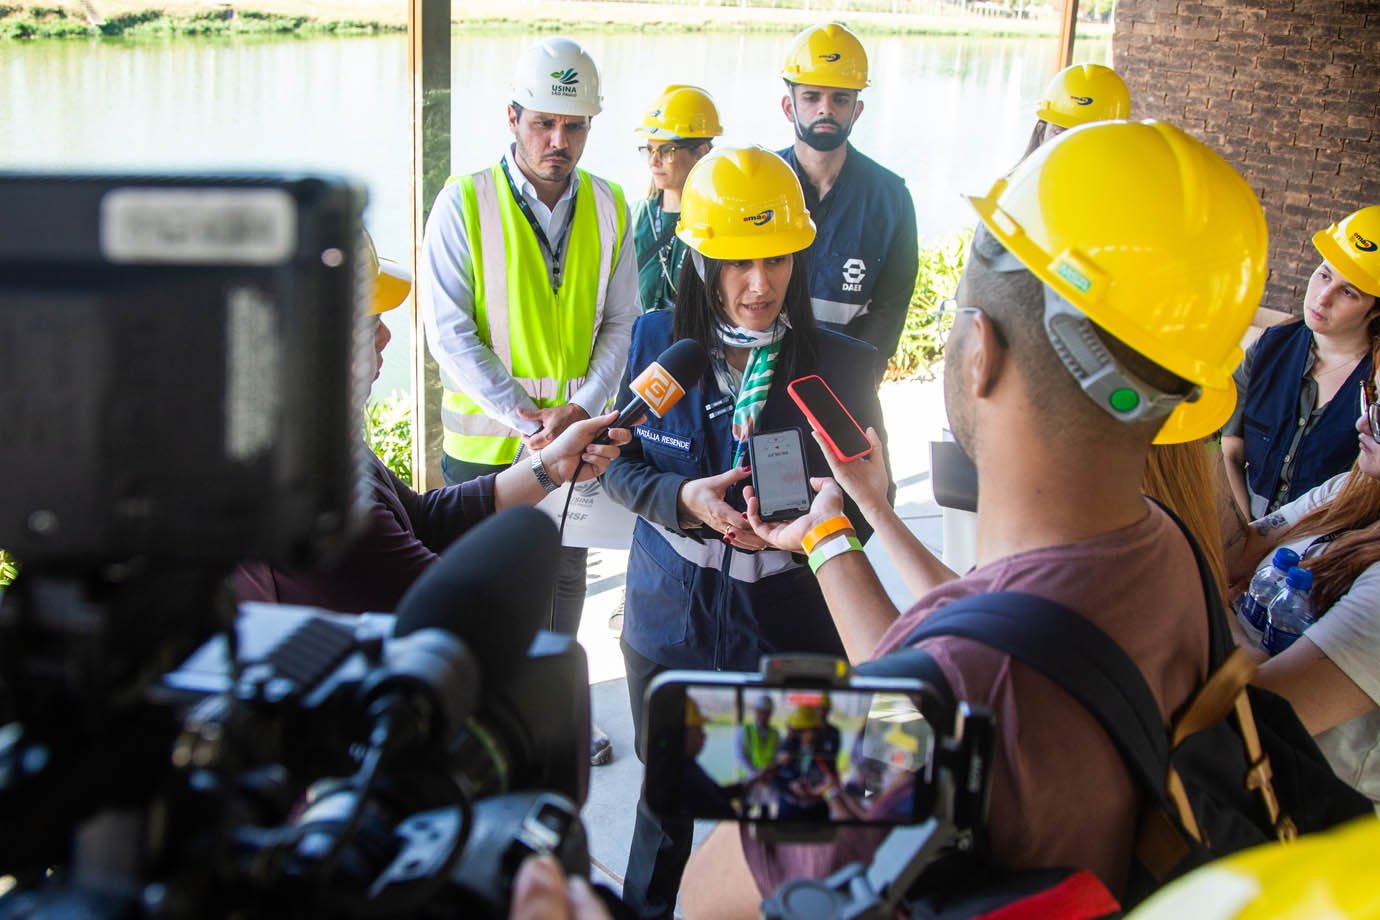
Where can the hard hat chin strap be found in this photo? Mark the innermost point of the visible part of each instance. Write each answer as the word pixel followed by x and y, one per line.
pixel 1106 381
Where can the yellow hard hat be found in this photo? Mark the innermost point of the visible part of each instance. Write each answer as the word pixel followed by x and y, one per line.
pixel 806 717
pixel 744 203
pixel 681 112
pixel 827 55
pixel 693 717
pixel 1353 247
pixel 1150 235
pixel 1321 875
pixel 392 282
pixel 1082 93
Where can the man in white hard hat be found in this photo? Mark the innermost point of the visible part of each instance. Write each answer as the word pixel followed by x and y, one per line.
pixel 528 290
pixel 865 256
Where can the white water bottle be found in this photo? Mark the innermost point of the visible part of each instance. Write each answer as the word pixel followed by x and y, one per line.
pixel 1291 612
pixel 1254 604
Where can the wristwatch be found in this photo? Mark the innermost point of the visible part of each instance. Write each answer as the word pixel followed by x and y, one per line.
pixel 543 477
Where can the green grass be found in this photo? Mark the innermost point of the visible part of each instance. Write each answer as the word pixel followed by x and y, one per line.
pixel 39 23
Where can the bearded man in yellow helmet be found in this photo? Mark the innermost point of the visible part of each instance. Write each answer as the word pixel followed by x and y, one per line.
pixel 864 258
pixel 528 291
pixel 1080 332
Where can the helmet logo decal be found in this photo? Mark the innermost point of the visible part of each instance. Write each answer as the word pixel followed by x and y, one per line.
pixel 1073 276
pixel 1082 100
pixel 1363 244
pixel 830 58
pixel 854 271
pixel 760 218
pixel 565 77
pixel 654 113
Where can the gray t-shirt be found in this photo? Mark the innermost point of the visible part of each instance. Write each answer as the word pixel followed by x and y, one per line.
pixel 1349 635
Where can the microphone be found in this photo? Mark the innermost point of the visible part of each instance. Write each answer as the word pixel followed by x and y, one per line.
pixel 663 383
pixel 468 621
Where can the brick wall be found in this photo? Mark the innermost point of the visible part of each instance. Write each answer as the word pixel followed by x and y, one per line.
pixel 1287 90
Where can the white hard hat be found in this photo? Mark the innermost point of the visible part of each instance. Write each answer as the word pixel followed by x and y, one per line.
pixel 558 76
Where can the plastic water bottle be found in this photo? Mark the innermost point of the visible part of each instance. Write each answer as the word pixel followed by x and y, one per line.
pixel 1291 612
pixel 1253 605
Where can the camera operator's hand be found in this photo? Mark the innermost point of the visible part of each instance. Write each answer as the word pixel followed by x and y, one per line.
pixel 563 454
pixel 542 892
pixel 866 479
pixel 828 503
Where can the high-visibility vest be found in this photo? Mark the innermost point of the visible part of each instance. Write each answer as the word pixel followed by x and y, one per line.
pixel 543 337
pixel 760 748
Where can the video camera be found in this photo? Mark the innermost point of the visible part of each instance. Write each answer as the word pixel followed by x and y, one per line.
pixel 806 746
pixel 183 362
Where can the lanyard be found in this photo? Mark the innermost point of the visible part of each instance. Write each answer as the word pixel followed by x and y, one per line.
pixel 664 248
pixel 553 251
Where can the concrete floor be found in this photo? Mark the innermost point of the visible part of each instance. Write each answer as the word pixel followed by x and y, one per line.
pixel 914 416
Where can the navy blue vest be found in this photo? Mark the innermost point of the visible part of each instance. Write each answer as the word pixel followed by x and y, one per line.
pixel 1270 416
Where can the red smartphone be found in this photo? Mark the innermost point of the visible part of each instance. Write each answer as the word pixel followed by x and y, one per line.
pixel 829 417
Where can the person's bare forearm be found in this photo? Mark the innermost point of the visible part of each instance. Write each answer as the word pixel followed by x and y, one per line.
pixel 857 601
pixel 1234 460
pixel 919 568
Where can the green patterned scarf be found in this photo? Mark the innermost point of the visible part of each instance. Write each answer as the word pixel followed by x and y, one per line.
pixel 757 377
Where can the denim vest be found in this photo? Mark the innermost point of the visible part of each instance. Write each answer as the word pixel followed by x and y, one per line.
pixel 1271 417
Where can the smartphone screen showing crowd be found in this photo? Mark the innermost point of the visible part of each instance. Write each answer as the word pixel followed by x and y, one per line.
pixel 791 754
pixel 779 478
pixel 829 417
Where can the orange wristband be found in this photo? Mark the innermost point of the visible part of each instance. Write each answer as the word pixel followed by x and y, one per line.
pixel 820 531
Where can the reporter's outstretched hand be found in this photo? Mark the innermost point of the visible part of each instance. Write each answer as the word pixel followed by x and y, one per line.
pixel 787 535
pixel 866 479
pixel 563 454
pixel 542 892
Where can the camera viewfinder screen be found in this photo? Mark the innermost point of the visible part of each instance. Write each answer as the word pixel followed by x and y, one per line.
pixel 807 756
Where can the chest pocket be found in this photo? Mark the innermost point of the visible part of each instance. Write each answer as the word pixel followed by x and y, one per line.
pixel 853 272
pixel 670 451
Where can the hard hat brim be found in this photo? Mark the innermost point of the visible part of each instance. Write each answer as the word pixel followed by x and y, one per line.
pixel 391 286
pixel 1343 262
pixel 1193 420
pixel 737 247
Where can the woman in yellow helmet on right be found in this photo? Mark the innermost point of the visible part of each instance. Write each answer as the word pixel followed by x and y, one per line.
pixel 1300 382
pixel 1078 94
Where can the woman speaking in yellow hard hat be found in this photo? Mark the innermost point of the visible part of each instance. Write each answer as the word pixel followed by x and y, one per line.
pixel 703 591
pixel 676 132
pixel 1300 382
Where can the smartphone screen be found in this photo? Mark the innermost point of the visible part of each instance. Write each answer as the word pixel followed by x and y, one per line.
pixel 843 756
pixel 830 417
pixel 779 479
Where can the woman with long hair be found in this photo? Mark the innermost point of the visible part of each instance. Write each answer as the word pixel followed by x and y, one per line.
pixel 1299 383
pixel 703 591
pixel 1331 674
pixel 676 131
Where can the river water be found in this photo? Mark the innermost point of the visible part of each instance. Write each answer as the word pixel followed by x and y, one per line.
pixel 949 114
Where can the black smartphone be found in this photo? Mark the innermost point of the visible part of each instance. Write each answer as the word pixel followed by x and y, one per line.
pixel 779 478
pixel 728 747
pixel 829 417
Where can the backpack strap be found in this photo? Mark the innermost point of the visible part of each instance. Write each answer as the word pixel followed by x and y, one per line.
pixel 1077 656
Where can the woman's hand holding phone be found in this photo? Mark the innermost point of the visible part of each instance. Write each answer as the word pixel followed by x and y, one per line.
pixel 787 535
pixel 865 479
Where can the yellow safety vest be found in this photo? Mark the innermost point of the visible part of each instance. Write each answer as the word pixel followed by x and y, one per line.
pixel 543 337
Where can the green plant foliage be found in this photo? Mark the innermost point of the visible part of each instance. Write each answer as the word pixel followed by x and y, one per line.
pixel 922 339
pixel 388 432
pixel 9 569
pixel 52 22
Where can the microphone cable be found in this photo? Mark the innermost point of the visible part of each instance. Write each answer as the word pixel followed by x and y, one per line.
pixel 565 510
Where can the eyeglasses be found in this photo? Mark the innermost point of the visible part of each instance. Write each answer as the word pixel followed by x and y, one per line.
pixel 1370 409
pixel 664 153
pixel 947 316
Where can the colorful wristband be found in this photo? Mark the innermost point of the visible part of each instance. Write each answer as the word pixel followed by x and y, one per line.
pixel 833 548
pixel 820 531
